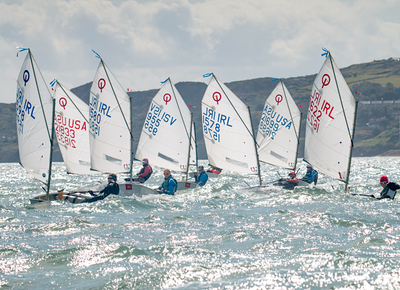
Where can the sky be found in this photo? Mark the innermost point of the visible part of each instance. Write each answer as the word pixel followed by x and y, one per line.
pixel 145 42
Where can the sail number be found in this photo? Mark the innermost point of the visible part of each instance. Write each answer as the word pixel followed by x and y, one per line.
pixel 268 126
pixel 154 118
pixel 96 112
pixel 316 112
pixel 24 109
pixel 271 121
pixel 212 123
pixel 65 129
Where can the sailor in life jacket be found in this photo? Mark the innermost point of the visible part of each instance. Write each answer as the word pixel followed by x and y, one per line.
pixel 389 188
pixel 311 175
pixel 289 183
pixel 111 188
pixel 201 177
pixel 214 169
pixel 292 181
pixel 145 172
pixel 169 184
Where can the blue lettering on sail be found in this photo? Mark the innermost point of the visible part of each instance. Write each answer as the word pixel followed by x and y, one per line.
pixel 212 122
pixel 24 110
pixel 97 110
pixel 154 118
pixel 271 122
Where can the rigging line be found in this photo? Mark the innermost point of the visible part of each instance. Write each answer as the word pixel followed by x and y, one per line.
pixel 116 98
pixel 290 112
pixel 252 135
pixel 255 149
pixel 340 98
pixel 294 125
pixel 179 109
pixel 72 102
pixel 51 149
pixel 40 96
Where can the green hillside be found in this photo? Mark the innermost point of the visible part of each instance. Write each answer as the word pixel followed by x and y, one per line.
pixel 375 84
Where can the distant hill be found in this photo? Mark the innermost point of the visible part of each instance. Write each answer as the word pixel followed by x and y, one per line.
pixel 375 84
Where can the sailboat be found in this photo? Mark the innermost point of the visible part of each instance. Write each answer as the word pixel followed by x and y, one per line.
pixel 72 129
pixel 279 129
pixel 330 123
pixel 35 119
pixel 110 123
pixel 167 137
pixel 72 132
pixel 228 131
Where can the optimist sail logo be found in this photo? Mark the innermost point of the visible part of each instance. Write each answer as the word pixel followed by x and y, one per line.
pixel 63 102
pixel 25 77
pixel 278 99
pixel 217 97
pixel 167 98
pixel 326 79
pixel 101 84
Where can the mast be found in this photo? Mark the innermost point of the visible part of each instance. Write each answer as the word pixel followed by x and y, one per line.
pixel 195 144
pixel 294 125
pixel 351 134
pixel 190 145
pixel 298 143
pixel 51 152
pixel 50 134
pixel 255 148
pixel 131 161
pixel 351 148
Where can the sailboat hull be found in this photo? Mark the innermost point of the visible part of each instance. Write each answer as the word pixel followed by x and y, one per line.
pixel 182 185
pixel 137 189
pixel 78 197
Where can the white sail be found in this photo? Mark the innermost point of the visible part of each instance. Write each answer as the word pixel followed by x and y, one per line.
pixel 278 131
pixel 330 123
pixel 34 108
pixel 227 130
pixel 72 130
pixel 166 132
pixel 109 122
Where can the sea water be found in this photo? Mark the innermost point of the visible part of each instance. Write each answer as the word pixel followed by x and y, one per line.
pixel 224 235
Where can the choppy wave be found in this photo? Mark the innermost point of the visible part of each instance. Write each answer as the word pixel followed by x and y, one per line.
pixel 222 236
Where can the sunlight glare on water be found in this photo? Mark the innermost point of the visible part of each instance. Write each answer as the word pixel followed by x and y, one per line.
pixel 222 236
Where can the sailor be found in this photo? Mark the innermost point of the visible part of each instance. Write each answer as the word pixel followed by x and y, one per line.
pixel 389 188
pixel 145 172
pixel 293 179
pixel 214 169
pixel 111 188
pixel 169 184
pixel 311 175
pixel 289 183
pixel 201 177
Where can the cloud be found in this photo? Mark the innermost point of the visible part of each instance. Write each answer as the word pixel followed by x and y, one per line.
pixel 144 42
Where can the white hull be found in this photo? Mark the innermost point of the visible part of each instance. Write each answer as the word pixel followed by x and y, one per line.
pixel 41 197
pixel 209 174
pixel 182 185
pixel 76 198
pixel 137 189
